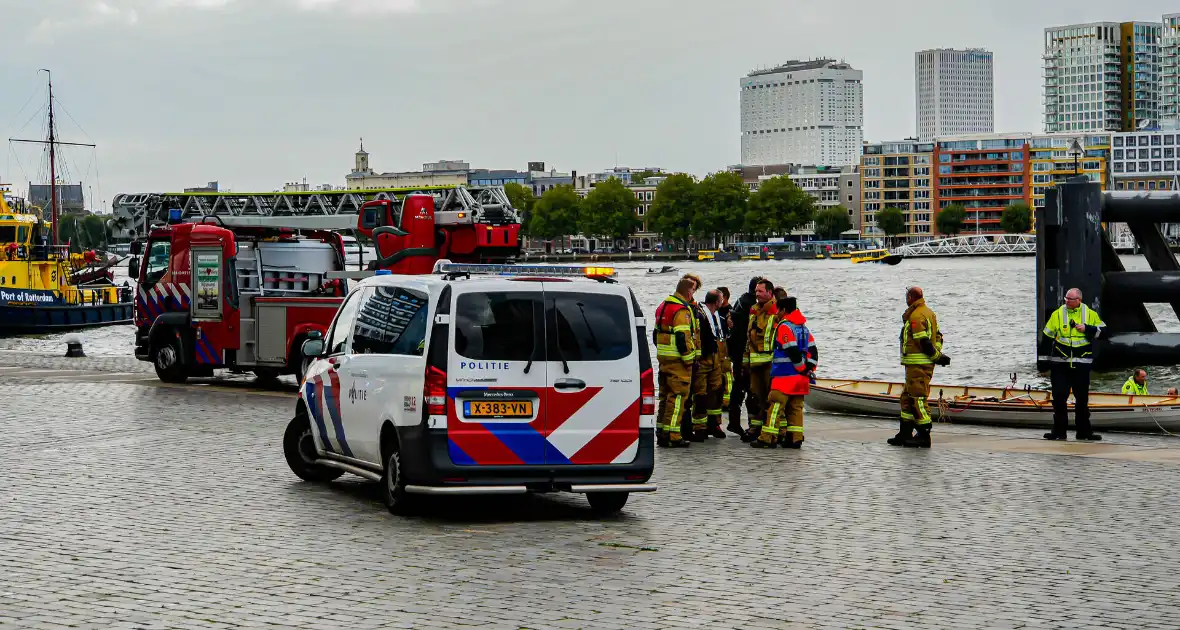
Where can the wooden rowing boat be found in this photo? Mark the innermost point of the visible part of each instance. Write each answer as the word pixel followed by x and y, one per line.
pixel 996 406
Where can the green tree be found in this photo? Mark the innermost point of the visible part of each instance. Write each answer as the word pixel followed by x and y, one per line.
pixel 719 206
pixel 1017 218
pixel 555 214
pixel 830 223
pixel 891 221
pixel 609 211
pixel 778 207
pixel 950 219
pixel 638 178
pixel 521 197
pixel 671 212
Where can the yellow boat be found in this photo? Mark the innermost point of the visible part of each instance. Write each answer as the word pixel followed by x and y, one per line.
pixel 875 255
pixel 841 256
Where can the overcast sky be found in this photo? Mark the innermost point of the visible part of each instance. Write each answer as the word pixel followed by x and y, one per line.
pixel 258 92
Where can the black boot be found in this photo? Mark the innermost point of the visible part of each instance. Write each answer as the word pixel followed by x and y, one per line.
pixel 1055 436
pixel 904 433
pixel 752 434
pixel 715 430
pixel 698 436
pixel 662 439
pixel 922 439
pixel 736 429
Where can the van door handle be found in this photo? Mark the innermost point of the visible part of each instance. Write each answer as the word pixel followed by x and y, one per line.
pixel 569 383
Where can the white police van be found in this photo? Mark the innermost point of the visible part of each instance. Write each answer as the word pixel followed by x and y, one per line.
pixel 482 379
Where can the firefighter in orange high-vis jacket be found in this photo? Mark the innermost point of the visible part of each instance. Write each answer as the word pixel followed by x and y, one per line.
pixel 675 336
pixel 793 363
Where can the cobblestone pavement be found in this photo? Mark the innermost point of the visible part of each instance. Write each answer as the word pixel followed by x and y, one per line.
pixel 136 506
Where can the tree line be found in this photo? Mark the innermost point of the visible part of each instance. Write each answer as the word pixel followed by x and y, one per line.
pixel 1016 219
pixel 684 208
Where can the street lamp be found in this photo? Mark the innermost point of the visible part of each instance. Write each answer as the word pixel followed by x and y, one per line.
pixel 1076 150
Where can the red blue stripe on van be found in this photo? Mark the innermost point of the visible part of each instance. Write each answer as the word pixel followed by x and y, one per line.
pixel 571 428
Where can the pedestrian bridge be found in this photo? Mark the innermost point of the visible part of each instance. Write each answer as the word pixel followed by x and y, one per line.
pixel 973 245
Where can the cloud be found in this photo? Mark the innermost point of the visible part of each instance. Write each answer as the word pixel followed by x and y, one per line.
pixel 95 13
pixel 360 6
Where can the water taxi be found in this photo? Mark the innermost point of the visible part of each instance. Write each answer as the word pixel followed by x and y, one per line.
pixel 875 255
pixel 716 255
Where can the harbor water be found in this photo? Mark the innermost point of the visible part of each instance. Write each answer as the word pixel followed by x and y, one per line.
pixel 986 308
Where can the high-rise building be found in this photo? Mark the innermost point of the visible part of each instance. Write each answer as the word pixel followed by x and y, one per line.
pixel 1102 76
pixel 803 112
pixel 1170 67
pixel 954 92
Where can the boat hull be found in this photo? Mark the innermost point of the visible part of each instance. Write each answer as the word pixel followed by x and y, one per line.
pixel 32 319
pixel 996 406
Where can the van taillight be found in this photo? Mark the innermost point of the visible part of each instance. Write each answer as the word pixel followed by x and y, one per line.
pixel 647 393
pixel 435 392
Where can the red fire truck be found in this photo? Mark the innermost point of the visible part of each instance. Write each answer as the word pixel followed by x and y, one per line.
pixel 243 293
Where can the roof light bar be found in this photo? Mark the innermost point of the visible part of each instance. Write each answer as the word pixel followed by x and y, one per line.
pixel 593 271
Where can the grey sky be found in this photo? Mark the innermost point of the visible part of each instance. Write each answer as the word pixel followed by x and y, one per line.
pixel 257 92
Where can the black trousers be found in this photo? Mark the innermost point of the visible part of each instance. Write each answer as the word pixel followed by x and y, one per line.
pixel 1077 380
pixel 741 385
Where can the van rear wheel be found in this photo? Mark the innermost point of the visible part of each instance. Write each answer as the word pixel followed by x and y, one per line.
pixel 604 503
pixel 393 481
pixel 299 451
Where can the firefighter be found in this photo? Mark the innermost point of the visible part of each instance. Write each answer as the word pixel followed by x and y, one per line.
pixel 707 381
pixel 675 336
pixel 739 325
pixel 758 355
pixel 1067 344
pixel 725 367
pixel 921 350
pixel 795 358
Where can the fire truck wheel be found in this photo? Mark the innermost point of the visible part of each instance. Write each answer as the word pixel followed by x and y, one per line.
pixel 266 376
pixel 393 482
pixel 299 450
pixel 606 503
pixel 169 367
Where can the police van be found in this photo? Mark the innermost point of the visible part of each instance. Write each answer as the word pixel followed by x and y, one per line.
pixel 481 379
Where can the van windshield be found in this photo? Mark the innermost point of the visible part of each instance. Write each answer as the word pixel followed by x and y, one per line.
pixel 500 326
pixel 588 327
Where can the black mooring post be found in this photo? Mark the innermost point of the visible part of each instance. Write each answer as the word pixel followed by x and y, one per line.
pixel 1069 247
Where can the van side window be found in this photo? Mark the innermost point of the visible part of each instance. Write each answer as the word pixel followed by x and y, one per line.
pixel 391 320
pixel 587 327
pixel 497 326
pixel 338 336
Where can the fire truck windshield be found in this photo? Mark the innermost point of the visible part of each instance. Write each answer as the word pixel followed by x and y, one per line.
pixel 157 261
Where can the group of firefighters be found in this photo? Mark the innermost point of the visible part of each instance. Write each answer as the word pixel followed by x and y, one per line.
pixel 712 355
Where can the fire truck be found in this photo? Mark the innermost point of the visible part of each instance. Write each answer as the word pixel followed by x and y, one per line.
pixel 242 293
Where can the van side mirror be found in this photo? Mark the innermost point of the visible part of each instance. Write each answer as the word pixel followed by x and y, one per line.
pixel 136 248
pixel 313 346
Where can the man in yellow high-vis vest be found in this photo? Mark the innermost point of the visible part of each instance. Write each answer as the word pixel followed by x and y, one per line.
pixel 1067 344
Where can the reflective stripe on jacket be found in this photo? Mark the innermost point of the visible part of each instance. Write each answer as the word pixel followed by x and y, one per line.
pixel 918 323
pixel 1069 344
pixel 674 318
pixel 786 375
pixel 1132 388
pixel 760 336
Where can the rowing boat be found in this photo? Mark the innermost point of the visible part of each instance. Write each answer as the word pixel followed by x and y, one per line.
pixel 996 406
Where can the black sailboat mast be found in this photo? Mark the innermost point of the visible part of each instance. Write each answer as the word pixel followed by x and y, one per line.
pixel 52 162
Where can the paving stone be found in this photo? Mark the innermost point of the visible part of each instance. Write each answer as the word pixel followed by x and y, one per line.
pixel 135 506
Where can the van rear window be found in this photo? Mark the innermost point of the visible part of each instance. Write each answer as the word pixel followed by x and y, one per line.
pixel 588 327
pixel 499 326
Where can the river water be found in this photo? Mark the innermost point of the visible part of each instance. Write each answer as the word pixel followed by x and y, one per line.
pixel 986 308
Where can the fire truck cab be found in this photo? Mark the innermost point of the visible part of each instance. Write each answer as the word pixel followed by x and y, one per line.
pixel 236 295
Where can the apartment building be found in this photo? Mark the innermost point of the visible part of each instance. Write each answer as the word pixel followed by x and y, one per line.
pixel 954 92
pixel 898 175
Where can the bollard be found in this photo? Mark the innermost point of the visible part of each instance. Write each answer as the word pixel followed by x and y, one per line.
pixel 74 347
